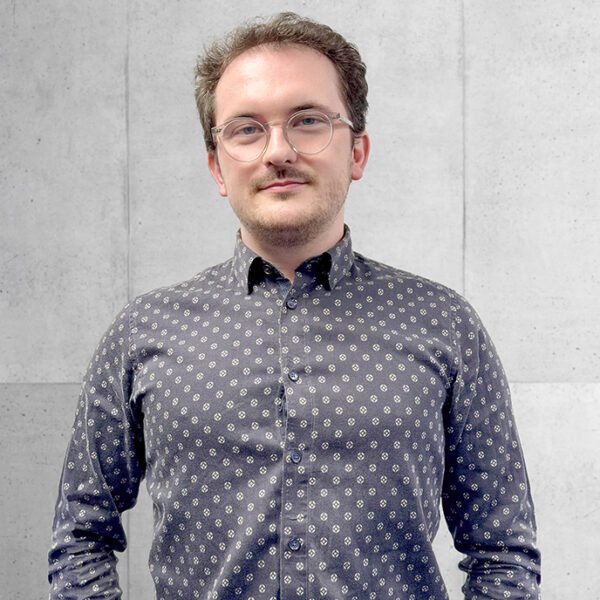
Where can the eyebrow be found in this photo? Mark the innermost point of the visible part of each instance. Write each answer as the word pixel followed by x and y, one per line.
pixel 295 109
pixel 312 105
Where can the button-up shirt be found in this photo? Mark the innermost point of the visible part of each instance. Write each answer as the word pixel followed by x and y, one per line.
pixel 297 440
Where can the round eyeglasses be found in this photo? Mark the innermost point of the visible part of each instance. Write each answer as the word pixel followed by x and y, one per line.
pixel 306 131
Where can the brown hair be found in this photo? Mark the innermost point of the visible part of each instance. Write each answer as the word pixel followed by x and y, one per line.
pixel 283 28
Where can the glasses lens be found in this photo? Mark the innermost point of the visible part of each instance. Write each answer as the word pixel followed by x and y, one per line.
pixel 309 131
pixel 244 139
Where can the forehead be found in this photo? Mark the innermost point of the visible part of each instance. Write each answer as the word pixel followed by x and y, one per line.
pixel 269 80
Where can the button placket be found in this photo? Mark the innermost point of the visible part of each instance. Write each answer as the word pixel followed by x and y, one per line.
pixel 297 442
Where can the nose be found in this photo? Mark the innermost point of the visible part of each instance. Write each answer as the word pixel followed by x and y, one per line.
pixel 279 151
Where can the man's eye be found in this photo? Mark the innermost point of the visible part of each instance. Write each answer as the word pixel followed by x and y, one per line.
pixel 308 122
pixel 245 130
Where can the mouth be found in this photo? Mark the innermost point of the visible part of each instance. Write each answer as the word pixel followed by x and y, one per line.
pixel 282 185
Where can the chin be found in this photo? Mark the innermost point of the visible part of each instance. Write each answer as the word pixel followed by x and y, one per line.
pixel 286 234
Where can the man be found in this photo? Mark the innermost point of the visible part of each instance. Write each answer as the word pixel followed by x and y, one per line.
pixel 298 411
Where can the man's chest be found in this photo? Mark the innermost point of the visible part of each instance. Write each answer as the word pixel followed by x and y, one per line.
pixel 252 375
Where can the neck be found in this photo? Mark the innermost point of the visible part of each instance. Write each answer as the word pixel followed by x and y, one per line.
pixel 286 258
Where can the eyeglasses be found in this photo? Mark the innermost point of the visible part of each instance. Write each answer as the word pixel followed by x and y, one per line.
pixel 306 131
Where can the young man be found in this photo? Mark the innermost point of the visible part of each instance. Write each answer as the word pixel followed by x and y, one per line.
pixel 299 411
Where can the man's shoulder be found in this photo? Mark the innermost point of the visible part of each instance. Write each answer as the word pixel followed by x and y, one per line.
pixel 382 273
pixel 208 281
pixel 416 290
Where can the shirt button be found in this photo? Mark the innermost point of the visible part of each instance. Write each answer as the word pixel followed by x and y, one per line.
pixel 292 303
pixel 295 456
pixel 294 544
pixel 293 375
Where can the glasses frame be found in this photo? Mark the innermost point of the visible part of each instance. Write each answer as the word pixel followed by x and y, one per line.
pixel 215 131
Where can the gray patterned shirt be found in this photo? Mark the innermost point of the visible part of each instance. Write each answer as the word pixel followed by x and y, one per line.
pixel 296 440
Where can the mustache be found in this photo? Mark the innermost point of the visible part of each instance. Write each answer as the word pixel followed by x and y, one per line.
pixel 280 175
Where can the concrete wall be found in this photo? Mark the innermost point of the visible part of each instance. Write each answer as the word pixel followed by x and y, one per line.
pixel 484 174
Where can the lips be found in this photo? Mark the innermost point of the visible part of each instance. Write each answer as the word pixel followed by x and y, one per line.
pixel 281 180
pixel 283 185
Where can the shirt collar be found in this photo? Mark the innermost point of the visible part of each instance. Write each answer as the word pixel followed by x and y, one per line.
pixel 329 268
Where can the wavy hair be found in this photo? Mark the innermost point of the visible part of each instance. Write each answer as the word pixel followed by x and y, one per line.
pixel 282 29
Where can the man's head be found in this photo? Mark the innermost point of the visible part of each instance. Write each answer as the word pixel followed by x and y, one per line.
pixel 285 143
pixel 283 29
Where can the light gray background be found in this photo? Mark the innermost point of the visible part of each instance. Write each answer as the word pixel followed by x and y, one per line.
pixel 484 175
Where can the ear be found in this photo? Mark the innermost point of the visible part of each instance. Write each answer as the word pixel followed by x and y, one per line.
pixel 360 155
pixel 215 171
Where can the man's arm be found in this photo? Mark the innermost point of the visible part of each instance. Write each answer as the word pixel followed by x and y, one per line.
pixel 101 475
pixel 486 496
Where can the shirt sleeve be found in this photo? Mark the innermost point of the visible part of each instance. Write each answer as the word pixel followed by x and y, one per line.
pixel 102 471
pixel 486 495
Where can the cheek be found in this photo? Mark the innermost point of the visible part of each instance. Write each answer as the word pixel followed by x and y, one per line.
pixel 236 174
pixel 238 185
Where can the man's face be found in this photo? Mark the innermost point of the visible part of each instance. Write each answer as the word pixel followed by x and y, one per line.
pixel 284 198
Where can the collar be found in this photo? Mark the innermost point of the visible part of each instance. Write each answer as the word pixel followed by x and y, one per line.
pixel 329 268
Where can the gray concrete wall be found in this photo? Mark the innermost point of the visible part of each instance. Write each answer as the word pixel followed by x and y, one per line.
pixel 484 175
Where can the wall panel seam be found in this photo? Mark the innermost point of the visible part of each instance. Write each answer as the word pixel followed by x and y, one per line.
pixel 464 145
pixel 127 561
